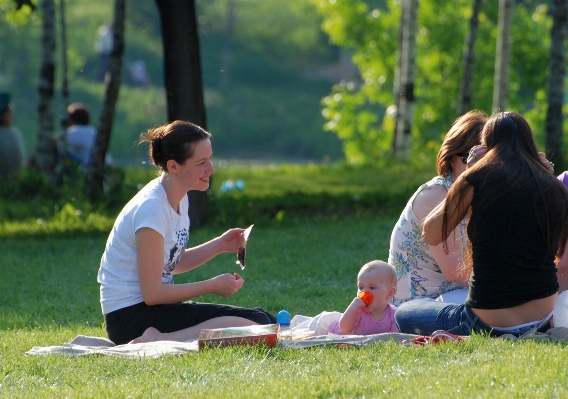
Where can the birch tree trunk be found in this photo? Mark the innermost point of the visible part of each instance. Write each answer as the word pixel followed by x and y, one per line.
pixel 464 99
pixel 556 74
pixel 403 136
pixel 396 80
pixel 45 151
pixel 95 173
pixel 502 57
pixel 184 86
pixel 61 142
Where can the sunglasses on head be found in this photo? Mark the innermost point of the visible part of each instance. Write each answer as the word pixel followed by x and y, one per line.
pixel 463 156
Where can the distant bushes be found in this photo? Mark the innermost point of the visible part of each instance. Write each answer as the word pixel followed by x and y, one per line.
pixel 242 209
pixel 33 205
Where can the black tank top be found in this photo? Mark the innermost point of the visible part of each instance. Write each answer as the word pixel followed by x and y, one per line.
pixel 512 261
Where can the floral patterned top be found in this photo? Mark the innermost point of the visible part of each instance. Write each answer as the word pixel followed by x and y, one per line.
pixel 417 272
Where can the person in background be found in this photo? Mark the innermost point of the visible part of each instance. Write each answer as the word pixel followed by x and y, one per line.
pixel 518 226
pixel 12 153
pixel 103 46
pixel 432 271
pixel 370 311
pixel 139 74
pixel 80 135
pixel 147 246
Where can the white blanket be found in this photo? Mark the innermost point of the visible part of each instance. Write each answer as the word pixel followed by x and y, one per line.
pixel 84 345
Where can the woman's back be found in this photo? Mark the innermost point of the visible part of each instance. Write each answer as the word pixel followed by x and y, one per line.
pixel 511 231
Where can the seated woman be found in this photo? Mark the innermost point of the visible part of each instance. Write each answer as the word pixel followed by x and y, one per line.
pixel 430 271
pixel 517 226
pixel 147 246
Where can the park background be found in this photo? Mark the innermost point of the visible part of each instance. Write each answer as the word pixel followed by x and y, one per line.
pixel 322 206
pixel 291 81
pixel 266 104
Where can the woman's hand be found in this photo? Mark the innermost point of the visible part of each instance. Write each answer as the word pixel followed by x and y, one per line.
pixel 547 164
pixel 231 240
pixel 226 284
pixel 475 154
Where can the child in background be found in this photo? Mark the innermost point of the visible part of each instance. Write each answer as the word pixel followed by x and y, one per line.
pixel 370 314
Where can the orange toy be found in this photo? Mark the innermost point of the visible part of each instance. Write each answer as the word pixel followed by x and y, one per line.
pixel 367 297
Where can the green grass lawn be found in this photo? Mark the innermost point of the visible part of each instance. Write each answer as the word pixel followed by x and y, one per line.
pixel 305 262
pixel 49 294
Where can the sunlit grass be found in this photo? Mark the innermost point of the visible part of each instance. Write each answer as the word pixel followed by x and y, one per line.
pixel 49 294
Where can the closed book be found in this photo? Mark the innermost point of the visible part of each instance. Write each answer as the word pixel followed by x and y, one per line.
pixel 249 335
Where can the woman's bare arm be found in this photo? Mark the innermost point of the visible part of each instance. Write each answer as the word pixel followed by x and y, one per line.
pixel 150 250
pixel 230 241
pixel 457 211
pixel 448 262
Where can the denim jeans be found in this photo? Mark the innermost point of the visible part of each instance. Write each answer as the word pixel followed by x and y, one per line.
pixel 424 316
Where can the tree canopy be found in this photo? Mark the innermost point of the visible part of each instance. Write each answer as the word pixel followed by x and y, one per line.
pixel 360 113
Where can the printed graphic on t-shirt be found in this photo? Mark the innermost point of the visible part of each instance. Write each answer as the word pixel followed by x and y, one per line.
pixel 182 238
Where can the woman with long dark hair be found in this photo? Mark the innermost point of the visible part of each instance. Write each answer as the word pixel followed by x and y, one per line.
pixel 518 225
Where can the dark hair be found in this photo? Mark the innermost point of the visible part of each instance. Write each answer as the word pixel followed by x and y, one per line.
pixel 78 114
pixel 462 136
pixel 175 140
pixel 3 115
pixel 4 108
pixel 512 152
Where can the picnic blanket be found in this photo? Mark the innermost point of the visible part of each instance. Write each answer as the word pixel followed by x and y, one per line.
pixel 85 345
pixel 307 333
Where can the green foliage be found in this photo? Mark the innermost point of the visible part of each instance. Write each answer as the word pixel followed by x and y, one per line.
pixel 361 114
pixel 288 193
pixel 32 205
pixel 17 12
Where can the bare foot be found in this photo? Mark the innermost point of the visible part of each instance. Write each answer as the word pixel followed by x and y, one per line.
pixel 150 335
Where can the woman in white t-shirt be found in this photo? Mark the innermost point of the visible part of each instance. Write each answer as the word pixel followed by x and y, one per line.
pixel 147 246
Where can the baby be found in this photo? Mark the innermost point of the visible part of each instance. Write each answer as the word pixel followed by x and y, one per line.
pixel 370 311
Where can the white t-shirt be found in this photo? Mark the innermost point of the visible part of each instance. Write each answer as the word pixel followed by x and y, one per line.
pixel 80 143
pixel 118 273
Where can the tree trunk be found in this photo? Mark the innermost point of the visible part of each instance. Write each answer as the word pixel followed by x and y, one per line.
pixel 182 70
pixel 464 99
pixel 403 137
pixel 95 173
pixel 396 80
pixel 502 57
pixel 45 151
pixel 61 143
pixel 556 73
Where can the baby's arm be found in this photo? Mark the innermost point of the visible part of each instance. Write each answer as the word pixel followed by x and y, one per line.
pixel 347 321
pixel 393 326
